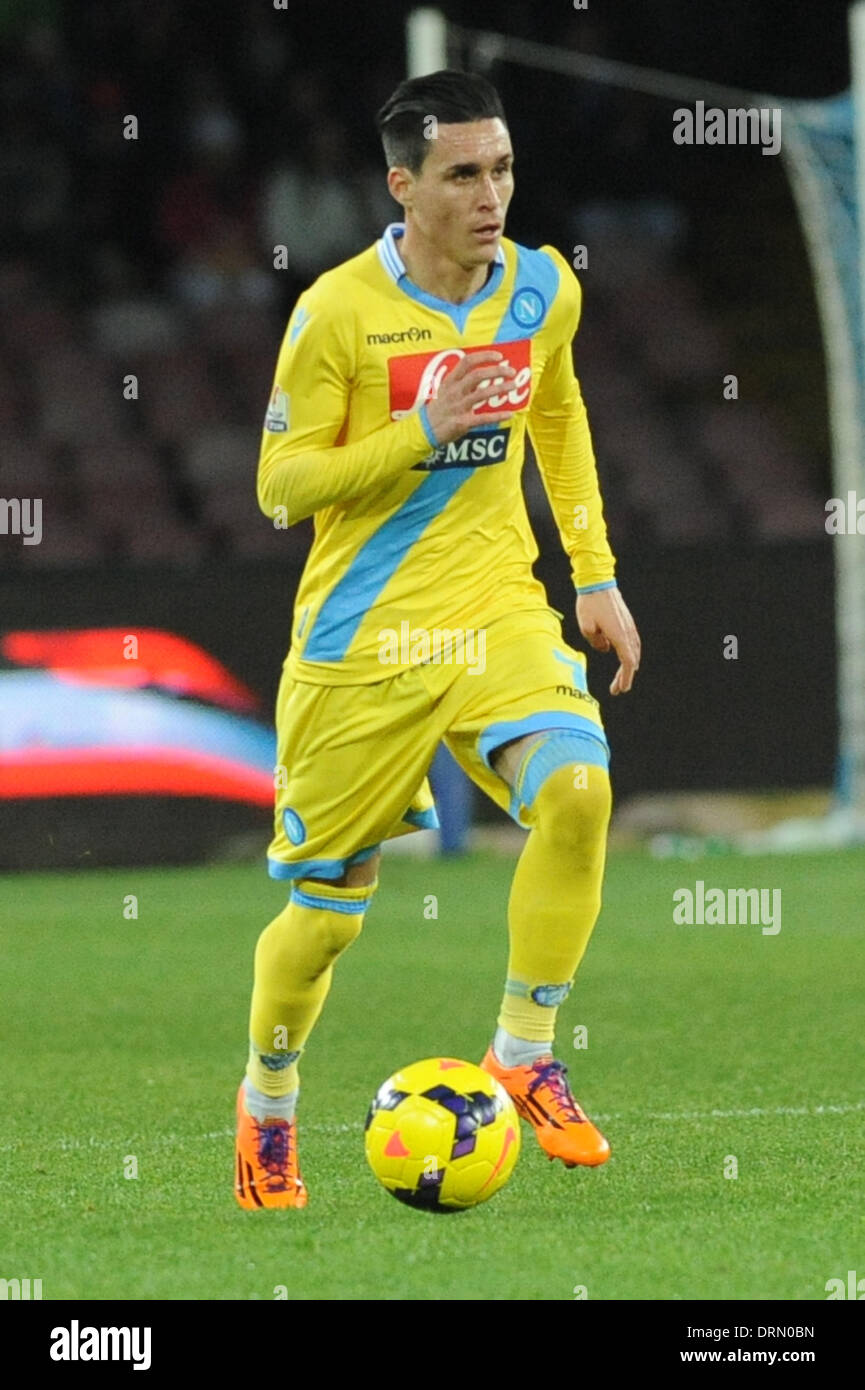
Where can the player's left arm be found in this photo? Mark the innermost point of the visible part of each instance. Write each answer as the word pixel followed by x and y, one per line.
pixel 559 430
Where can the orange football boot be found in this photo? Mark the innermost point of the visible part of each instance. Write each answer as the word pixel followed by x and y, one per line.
pixel 542 1096
pixel 266 1169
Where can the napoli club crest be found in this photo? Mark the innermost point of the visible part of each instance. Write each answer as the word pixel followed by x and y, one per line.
pixel 528 307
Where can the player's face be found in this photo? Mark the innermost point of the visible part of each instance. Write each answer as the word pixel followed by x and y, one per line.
pixel 459 200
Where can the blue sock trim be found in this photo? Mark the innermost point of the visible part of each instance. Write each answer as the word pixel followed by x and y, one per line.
pixel 549 996
pixel 277 1061
pixel 545 757
pixel 546 720
pixel 352 907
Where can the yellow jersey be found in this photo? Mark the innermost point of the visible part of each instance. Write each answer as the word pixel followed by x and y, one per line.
pixel 414 537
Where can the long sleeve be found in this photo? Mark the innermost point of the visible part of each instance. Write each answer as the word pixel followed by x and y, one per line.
pixel 302 465
pixel 560 435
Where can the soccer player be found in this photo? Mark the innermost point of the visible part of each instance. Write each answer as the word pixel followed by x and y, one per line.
pixel 404 387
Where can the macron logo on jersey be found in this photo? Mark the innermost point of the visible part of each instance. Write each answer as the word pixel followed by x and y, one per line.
pixel 415 380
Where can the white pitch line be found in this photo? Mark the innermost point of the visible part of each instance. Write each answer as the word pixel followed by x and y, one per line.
pixel 756 1112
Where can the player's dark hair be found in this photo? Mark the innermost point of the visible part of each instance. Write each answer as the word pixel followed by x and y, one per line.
pixel 451 97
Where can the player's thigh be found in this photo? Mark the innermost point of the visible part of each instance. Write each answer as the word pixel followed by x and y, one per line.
pixel 505 760
pixel 534 686
pixel 350 773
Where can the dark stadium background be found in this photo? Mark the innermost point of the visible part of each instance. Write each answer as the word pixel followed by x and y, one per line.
pixel 154 257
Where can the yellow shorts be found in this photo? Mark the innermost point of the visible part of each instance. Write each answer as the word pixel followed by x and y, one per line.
pixel 352 761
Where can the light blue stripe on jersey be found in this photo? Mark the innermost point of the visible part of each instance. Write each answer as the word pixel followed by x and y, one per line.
pixel 537 271
pixel 353 595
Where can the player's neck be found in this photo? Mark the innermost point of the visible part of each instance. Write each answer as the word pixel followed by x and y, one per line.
pixel 435 274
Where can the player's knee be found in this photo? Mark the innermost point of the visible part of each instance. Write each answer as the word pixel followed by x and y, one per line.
pixel 572 808
pixel 336 912
pixel 330 920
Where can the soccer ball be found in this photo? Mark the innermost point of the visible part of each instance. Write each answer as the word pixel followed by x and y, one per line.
pixel 442 1135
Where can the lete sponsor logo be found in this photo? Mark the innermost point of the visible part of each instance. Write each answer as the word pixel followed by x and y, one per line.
pixel 415 379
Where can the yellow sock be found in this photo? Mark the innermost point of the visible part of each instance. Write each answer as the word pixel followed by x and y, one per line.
pixel 555 897
pixel 293 970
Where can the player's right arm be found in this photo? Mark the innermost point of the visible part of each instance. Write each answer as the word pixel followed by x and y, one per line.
pixel 303 465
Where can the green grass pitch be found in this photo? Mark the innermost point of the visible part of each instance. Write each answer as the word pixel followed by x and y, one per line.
pixel 127 1038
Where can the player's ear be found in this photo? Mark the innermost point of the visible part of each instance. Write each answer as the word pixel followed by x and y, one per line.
pixel 399 182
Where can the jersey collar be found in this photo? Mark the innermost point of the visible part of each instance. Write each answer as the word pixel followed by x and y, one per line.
pixel 388 252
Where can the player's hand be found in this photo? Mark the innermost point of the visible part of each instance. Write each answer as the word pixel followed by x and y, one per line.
pixel 605 622
pixel 475 378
